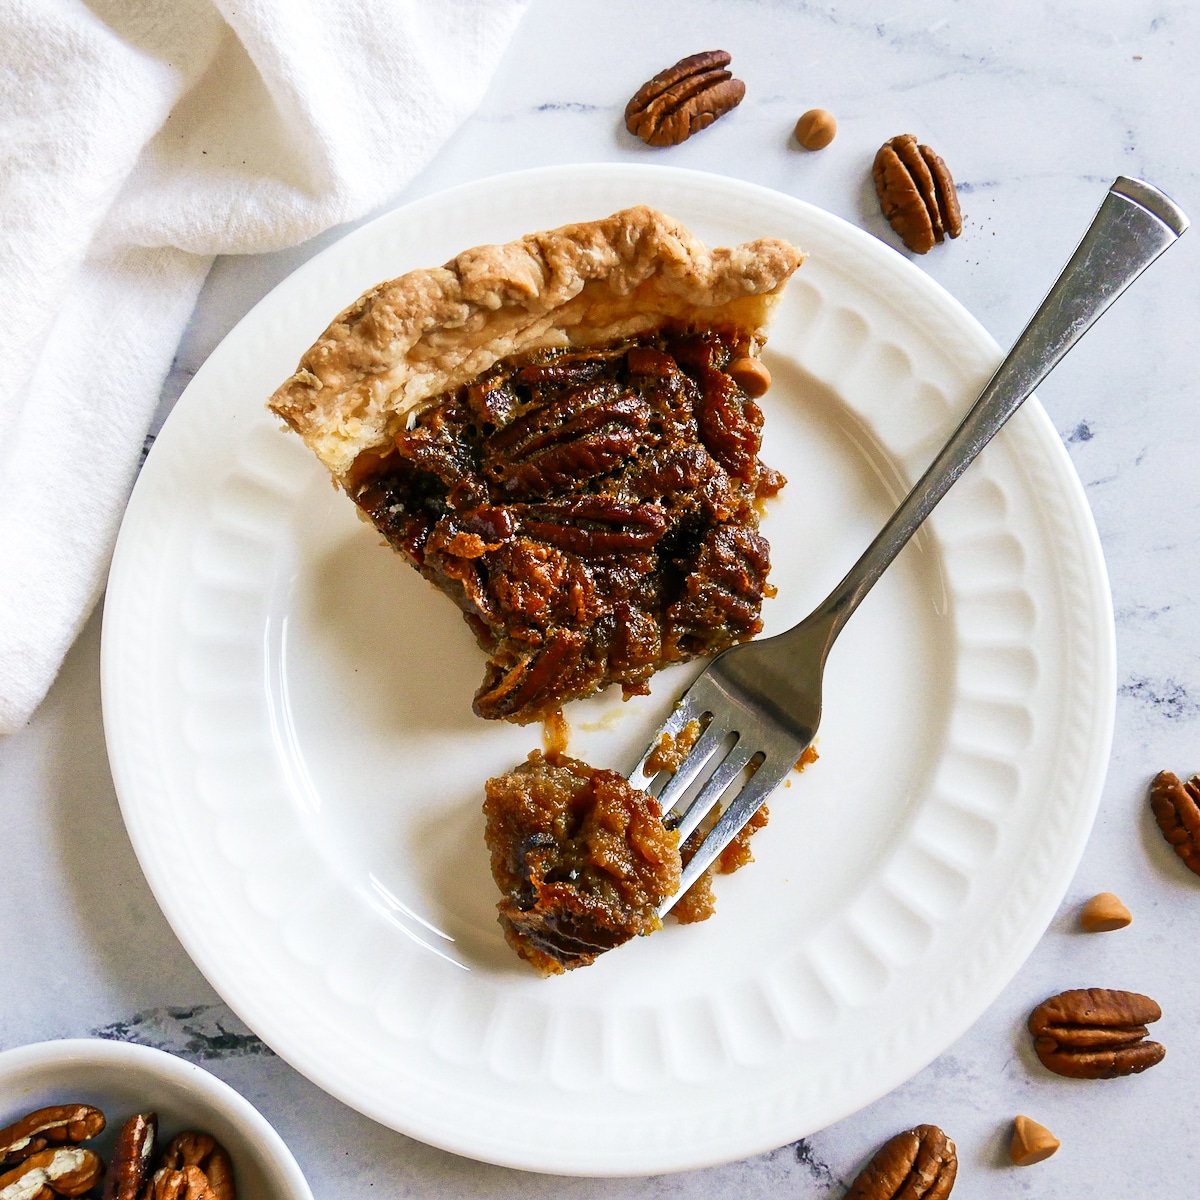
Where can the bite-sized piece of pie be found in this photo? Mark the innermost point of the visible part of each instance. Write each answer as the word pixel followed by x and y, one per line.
pixel 581 857
pixel 561 433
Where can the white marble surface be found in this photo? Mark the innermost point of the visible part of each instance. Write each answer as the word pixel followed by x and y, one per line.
pixel 1036 107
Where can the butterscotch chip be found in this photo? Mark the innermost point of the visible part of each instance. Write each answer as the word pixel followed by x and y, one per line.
pixel 1103 913
pixel 751 375
pixel 816 129
pixel 1031 1142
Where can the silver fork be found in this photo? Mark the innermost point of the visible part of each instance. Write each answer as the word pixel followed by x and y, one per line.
pixel 765 696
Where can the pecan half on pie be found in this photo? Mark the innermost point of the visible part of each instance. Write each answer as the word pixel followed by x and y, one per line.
pixel 561 434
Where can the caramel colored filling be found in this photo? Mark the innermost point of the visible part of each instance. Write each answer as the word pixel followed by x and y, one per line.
pixel 593 513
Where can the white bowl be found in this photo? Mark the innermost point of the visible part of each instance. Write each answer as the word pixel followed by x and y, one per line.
pixel 121 1079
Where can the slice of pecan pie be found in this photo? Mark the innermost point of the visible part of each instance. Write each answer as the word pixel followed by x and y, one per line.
pixel 561 433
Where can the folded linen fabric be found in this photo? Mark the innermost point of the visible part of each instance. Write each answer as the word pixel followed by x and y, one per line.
pixel 138 139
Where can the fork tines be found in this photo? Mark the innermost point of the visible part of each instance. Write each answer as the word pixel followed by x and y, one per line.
pixel 719 758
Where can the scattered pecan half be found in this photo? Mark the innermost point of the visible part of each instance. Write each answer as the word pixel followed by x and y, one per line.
pixel 683 99
pixel 58 1171
pixel 58 1124
pixel 1176 808
pixel 129 1167
pixel 918 1164
pixel 916 193
pixel 202 1150
pixel 1095 1033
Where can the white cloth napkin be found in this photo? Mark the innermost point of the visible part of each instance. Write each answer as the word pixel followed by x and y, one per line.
pixel 138 138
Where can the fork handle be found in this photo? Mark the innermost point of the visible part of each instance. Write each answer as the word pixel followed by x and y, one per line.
pixel 1134 225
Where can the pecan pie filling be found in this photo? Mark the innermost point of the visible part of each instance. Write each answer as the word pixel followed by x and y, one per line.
pixel 593 512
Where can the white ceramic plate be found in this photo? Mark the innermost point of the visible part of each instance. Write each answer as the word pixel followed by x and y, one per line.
pixel 288 715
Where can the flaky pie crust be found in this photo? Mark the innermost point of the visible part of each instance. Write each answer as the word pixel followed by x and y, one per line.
pixel 411 339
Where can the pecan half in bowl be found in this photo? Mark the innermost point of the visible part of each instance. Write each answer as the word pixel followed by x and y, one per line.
pixel 561 433
pixel 122 1079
